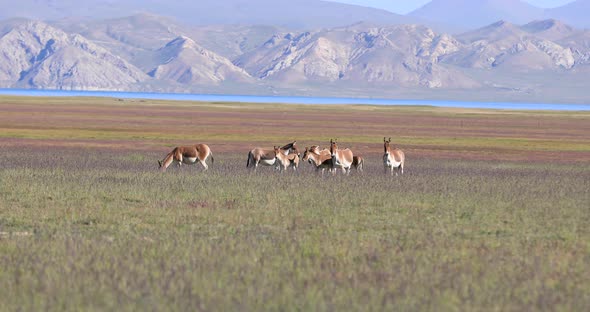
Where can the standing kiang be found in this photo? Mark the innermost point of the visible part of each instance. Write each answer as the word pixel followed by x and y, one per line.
pixel 266 157
pixel 393 158
pixel 285 161
pixel 341 158
pixel 320 159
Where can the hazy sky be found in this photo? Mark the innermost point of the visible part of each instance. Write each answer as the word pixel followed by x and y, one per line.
pixel 405 6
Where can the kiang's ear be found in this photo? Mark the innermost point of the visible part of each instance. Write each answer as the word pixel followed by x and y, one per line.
pixel 389 140
pixel 384 140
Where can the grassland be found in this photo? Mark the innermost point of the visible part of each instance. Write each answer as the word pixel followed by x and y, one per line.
pixel 493 213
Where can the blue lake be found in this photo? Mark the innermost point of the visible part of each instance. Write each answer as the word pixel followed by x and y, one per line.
pixel 296 99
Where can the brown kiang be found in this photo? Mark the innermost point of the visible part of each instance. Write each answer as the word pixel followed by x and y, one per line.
pixel 267 157
pixel 393 158
pixel 341 158
pixel 285 161
pixel 187 155
pixel 320 159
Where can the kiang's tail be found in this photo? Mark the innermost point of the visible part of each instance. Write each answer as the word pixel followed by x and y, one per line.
pixel 212 159
pixel 248 161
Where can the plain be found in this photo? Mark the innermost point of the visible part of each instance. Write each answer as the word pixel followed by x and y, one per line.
pixel 492 213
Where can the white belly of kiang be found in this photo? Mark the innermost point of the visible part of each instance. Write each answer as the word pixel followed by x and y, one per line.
pixel 341 163
pixel 267 162
pixel 189 160
pixel 393 163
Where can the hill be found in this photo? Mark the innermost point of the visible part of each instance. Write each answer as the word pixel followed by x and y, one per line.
pixel 476 13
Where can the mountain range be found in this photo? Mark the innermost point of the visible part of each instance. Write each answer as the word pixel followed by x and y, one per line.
pixel 300 14
pixel 36 55
pixel 574 13
pixel 538 60
pixel 405 55
pixel 477 13
pixel 441 15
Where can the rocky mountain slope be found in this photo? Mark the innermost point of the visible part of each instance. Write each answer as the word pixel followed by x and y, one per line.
pixel 503 44
pixel 132 35
pixel 184 61
pixel 34 54
pixel 402 55
pixel 550 29
pixel 152 53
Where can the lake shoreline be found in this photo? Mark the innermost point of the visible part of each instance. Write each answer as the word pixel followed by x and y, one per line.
pixel 296 100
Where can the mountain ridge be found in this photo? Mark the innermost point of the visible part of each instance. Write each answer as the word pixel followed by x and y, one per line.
pixel 44 56
pixel 476 13
pixel 184 61
pixel 575 13
pixel 270 12
pixel 501 58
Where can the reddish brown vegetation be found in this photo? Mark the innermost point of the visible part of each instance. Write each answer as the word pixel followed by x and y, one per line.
pixel 238 128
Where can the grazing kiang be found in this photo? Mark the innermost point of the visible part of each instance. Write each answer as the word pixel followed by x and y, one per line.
pixel 341 158
pixel 285 161
pixel 266 157
pixel 393 158
pixel 187 155
pixel 321 160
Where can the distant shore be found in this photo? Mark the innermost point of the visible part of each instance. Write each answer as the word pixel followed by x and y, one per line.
pixel 297 99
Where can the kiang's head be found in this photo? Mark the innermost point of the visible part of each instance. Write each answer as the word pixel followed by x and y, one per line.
pixel 306 155
pixel 386 145
pixel 289 148
pixel 333 147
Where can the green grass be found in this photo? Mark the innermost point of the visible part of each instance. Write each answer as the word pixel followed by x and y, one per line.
pixel 97 227
pixel 81 232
